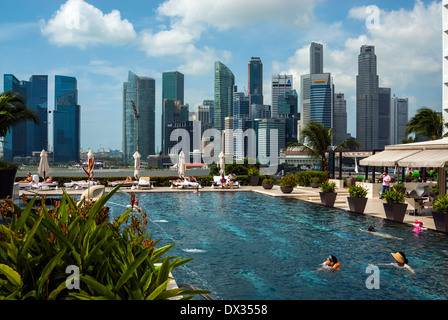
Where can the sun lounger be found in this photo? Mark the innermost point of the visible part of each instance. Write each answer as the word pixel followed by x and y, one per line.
pixel 43 185
pixel 124 184
pixel 186 184
pixel 77 184
pixel 217 182
pixel 145 182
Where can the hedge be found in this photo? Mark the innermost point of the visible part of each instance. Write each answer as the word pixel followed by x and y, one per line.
pixel 303 178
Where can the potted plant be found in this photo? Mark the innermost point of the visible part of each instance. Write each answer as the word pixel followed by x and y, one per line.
pixel 267 183
pixel 7 177
pixel 440 213
pixel 315 182
pixel 327 194
pixel 287 183
pixel 395 207
pixel 254 176
pixel 358 198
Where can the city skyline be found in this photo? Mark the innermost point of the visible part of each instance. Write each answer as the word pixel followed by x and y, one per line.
pixel 150 38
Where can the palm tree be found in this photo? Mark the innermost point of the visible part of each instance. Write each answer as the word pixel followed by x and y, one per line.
pixel 13 111
pixel 426 122
pixel 316 139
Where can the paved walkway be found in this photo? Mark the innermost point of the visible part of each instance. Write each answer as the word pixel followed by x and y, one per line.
pixel 374 206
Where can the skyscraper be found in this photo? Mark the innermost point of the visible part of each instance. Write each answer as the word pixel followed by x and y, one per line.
pixel 173 86
pixel 339 119
pixel 367 99
pixel 281 83
pixel 398 120
pixel 384 99
pixel 255 74
pixel 224 85
pixel 316 58
pixel 27 137
pixel 66 120
pixel 140 91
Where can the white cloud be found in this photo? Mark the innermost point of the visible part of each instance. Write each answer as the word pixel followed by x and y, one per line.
pixel 80 24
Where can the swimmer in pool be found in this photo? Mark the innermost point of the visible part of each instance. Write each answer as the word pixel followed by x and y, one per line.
pixel 372 230
pixel 331 264
pixel 400 262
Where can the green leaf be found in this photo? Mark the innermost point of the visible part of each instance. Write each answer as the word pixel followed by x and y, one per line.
pixel 12 275
pixel 158 290
pixel 97 287
pixel 131 269
pixel 48 269
pixel 56 291
pixel 29 238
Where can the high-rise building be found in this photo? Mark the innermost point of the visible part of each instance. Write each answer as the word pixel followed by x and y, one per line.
pixel 266 142
pixel 339 119
pixel 138 91
pixel 66 120
pixel 367 99
pixel 398 120
pixel 241 109
pixel 384 99
pixel 27 137
pixel 255 74
pixel 287 109
pixel 445 61
pixel 224 86
pixel 316 58
pixel 172 111
pixel 173 86
pixel 281 83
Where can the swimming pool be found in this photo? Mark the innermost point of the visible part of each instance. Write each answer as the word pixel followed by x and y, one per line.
pixel 254 247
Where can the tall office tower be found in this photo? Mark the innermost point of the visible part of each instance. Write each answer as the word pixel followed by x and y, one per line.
pixel 280 84
pixel 339 119
pixel 255 74
pixel 224 86
pixel 211 105
pixel 66 120
pixel 173 86
pixel 142 92
pixel 266 142
pixel 27 137
pixel 203 114
pixel 398 120
pixel 316 58
pixel 317 100
pixel 367 99
pixel 384 100
pixel 172 112
pixel 445 61
pixel 241 107
pixel 287 110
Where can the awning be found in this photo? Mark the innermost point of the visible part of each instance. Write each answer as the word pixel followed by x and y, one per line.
pixel 426 159
pixel 387 158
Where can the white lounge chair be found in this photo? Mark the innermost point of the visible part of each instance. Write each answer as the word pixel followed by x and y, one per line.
pixel 77 184
pixel 145 182
pixel 185 184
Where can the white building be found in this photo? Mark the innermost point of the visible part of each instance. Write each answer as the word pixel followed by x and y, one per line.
pixel 281 83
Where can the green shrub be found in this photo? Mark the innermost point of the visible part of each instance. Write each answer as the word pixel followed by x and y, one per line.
pixel 327 186
pixel 394 196
pixel 267 180
pixel 288 181
pixel 116 260
pixel 303 178
pixel 441 204
pixel 357 192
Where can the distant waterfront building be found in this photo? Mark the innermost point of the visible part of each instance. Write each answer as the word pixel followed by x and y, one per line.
pixel 66 120
pixel 445 61
pixel 27 137
pixel 255 81
pixel 339 119
pixel 141 91
pixel 281 83
pixel 398 120
pixel 224 86
pixel 384 125
pixel 367 99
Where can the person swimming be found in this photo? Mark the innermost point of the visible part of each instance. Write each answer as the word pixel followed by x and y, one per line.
pixel 400 261
pixel 331 263
pixel 371 229
pixel 418 226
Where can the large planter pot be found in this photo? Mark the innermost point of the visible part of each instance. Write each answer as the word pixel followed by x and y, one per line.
pixel 286 189
pixel 328 198
pixel 440 221
pixel 267 185
pixel 253 180
pixel 357 205
pixel 395 212
pixel 7 178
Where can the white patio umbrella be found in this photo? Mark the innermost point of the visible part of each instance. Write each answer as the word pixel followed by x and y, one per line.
pixel 181 164
pixel 137 165
pixel 44 168
pixel 222 164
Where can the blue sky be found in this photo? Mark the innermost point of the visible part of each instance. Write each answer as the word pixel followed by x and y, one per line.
pixel 99 41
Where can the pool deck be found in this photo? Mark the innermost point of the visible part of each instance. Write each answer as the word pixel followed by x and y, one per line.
pixel 374 206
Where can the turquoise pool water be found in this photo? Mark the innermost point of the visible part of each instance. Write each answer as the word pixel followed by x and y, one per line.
pixel 250 246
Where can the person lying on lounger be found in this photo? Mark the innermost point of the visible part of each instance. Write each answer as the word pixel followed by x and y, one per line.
pixel 48 180
pixel 128 179
pixel 27 179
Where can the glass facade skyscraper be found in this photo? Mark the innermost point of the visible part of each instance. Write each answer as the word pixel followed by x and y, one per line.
pixel 66 120
pixel 255 82
pixel 321 99
pixel 280 84
pixel 27 137
pixel 223 93
pixel 140 91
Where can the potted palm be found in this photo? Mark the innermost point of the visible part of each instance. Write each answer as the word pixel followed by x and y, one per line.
pixel 395 207
pixel 358 198
pixel 12 112
pixel 440 213
pixel 287 183
pixel 267 183
pixel 328 194
pixel 254 175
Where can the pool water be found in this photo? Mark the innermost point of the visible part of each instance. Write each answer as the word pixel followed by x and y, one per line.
pixel 254 247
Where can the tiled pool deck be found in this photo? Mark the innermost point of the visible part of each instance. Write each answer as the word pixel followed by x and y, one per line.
pixel 374 205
